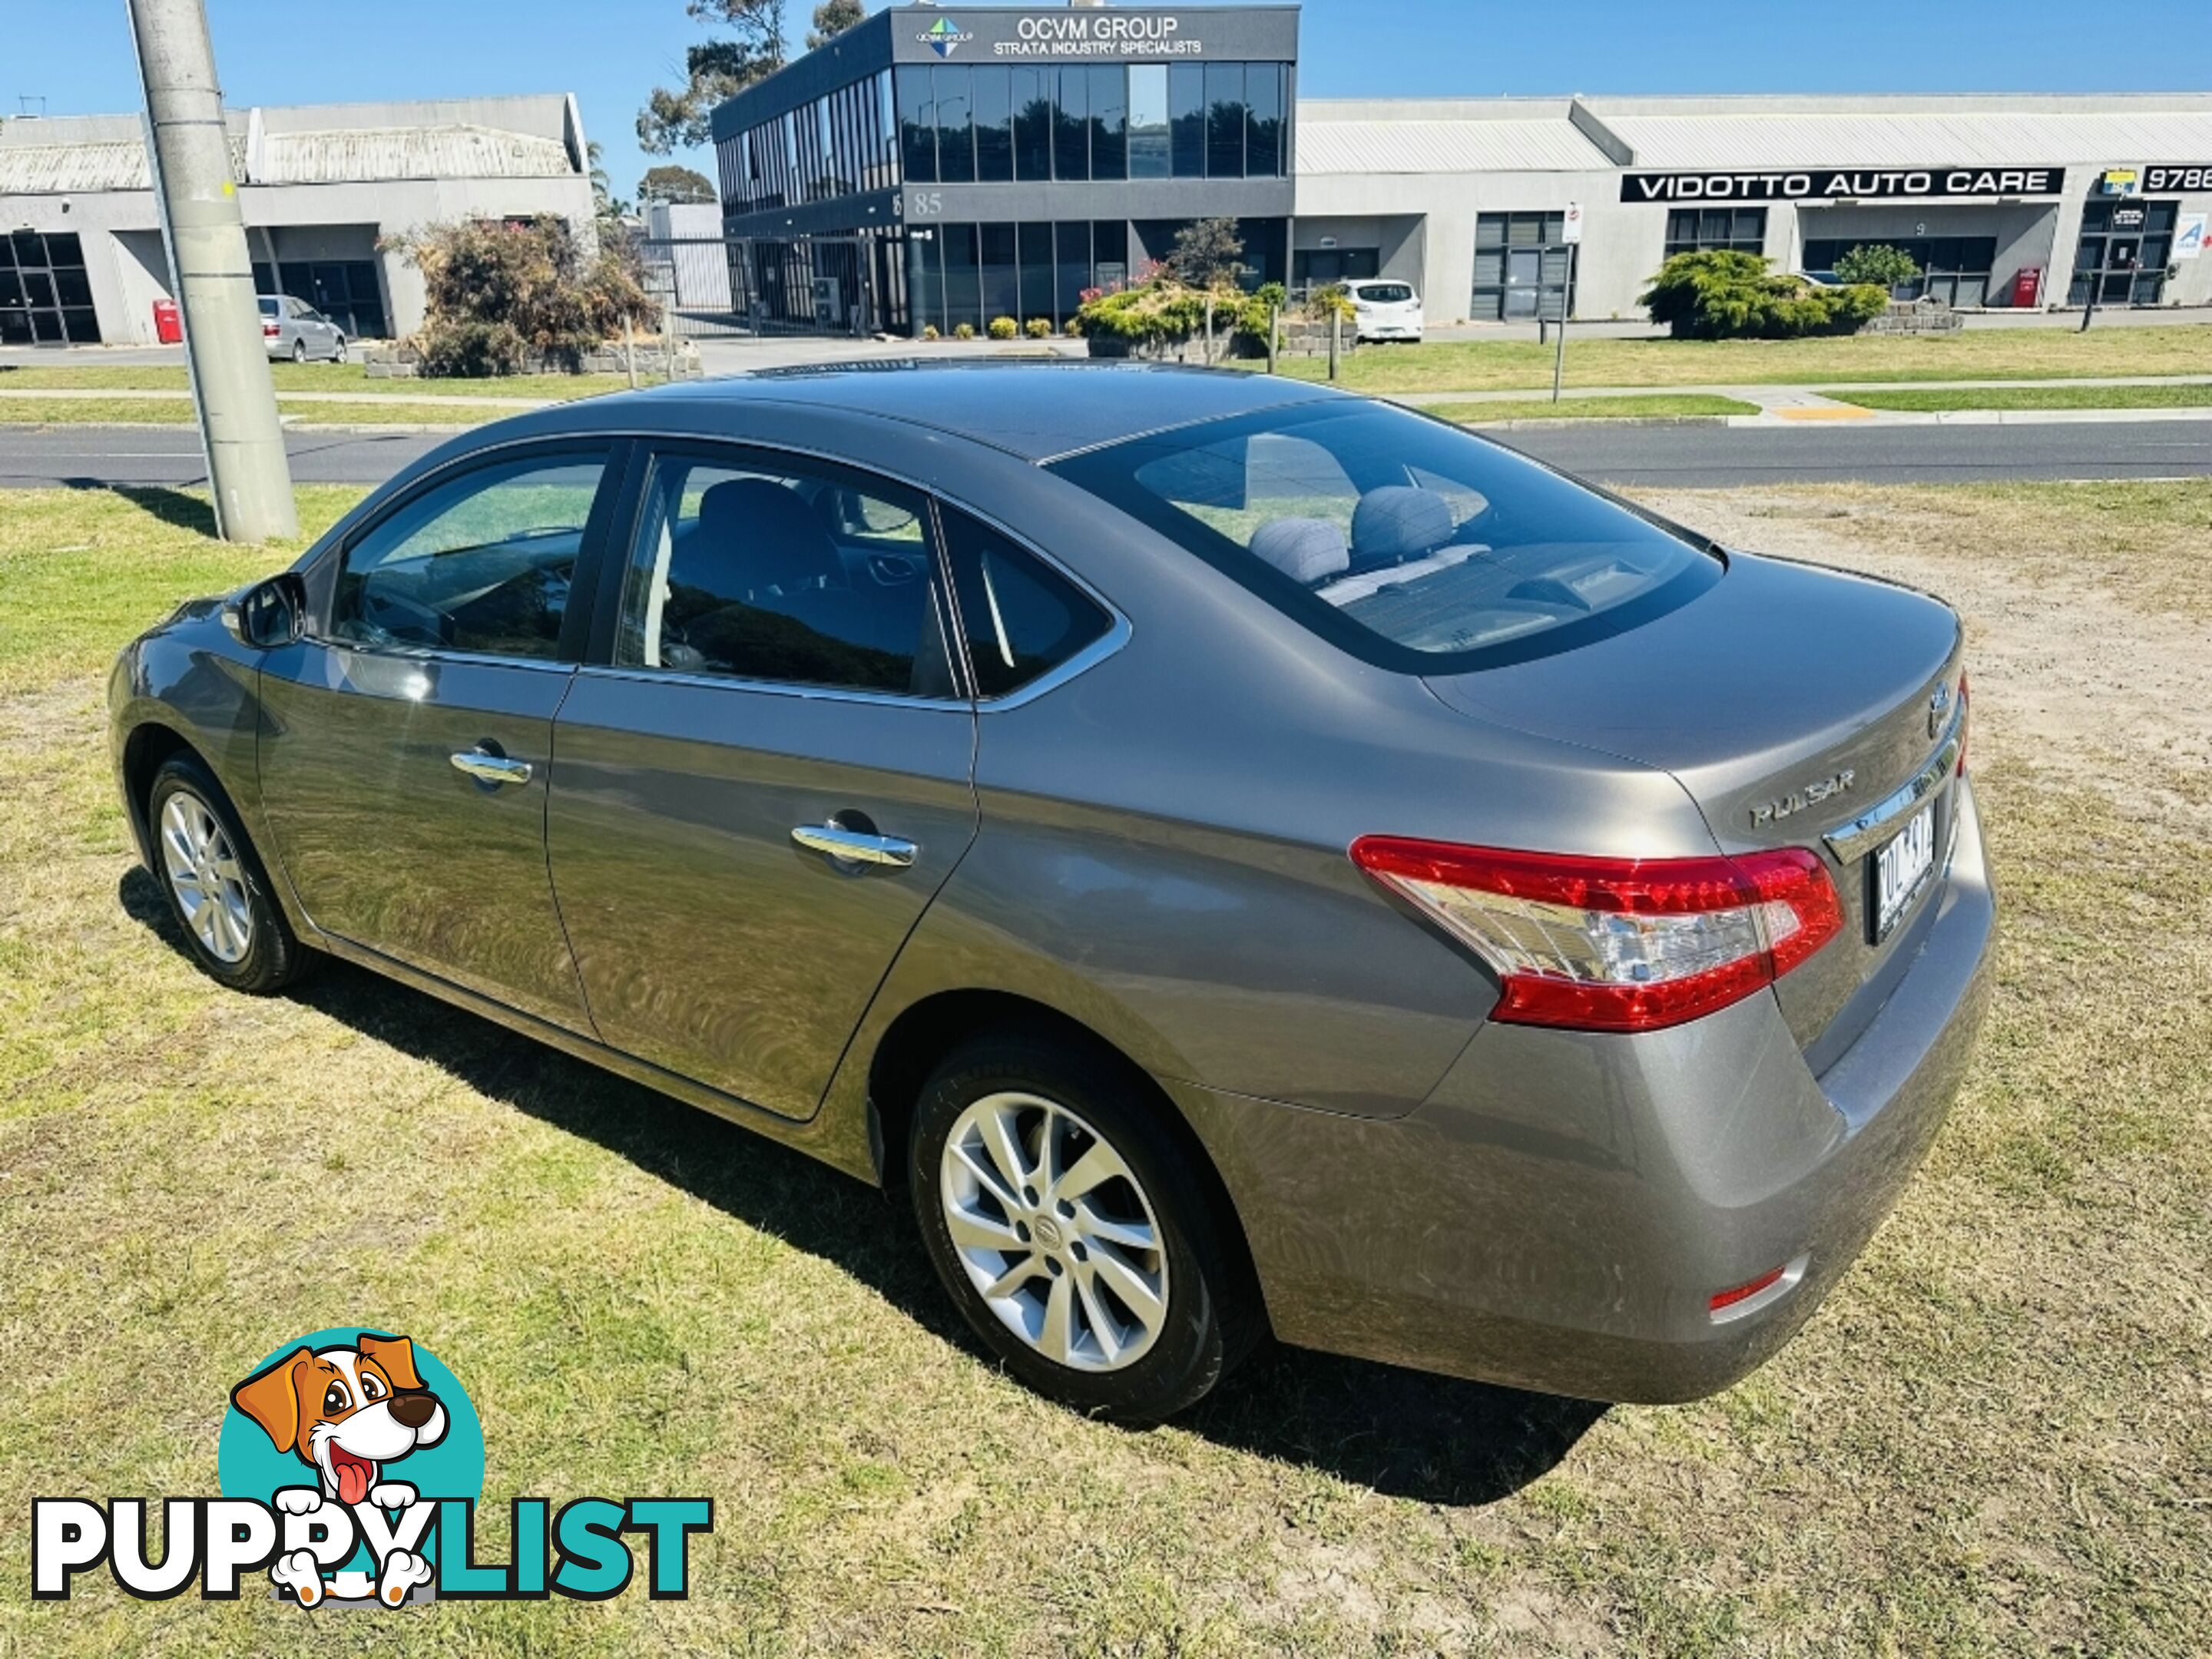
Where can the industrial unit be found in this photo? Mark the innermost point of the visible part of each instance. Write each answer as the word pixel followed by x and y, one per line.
pixel 324 189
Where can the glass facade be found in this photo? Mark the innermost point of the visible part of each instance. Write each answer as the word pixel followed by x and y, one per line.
pixel 344 291
pixel 46 298
pixel 1952 269
pixel 1520 267
pixel 971 273
pixel 1741 230
pixel 838 144
pixel 2122 251
pixel 961 123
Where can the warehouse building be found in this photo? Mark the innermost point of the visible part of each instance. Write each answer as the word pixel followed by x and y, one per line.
pixel 937 165
pixel 322 188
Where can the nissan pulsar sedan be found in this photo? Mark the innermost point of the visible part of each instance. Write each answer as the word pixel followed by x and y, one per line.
pixel 1245 859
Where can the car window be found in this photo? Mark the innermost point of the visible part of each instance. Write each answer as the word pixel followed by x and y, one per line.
pixel 1021 618
pixel 480 563
pixel 786 573
pixel 1404 539
pixel 270 308
pixel 1384 294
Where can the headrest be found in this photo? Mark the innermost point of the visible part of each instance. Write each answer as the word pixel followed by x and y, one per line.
pixel 769 533
pixel 1400 522
pixel 1307 550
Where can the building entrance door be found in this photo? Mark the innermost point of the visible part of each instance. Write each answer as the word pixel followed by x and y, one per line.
pixel 2122 253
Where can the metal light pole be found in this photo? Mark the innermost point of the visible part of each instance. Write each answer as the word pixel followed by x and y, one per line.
pixel 212 272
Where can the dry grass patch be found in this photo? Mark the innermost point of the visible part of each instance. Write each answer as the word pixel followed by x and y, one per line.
pixel 1992 1439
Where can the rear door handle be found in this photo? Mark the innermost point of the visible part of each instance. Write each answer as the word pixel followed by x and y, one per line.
pixel 856 847
pixel 491 768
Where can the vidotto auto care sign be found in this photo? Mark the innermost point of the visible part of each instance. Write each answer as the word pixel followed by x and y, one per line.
pixel 1843 184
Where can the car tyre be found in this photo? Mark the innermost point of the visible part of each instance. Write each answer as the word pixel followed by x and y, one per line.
pixel 218 889
pixel 338 351
pixel 299 351
pixel 1129 1361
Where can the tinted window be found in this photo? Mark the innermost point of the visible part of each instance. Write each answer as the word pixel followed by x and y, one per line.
pixel 481 563
pixel 1020 618
pixel 1383 294
pixel 270 308
pixel 784 573
pixel 1405 540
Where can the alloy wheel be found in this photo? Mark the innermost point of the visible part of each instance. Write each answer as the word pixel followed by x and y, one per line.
pixel 1054 1231
pixel 205 876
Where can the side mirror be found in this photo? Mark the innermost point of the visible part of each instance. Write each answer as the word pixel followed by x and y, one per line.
pixel 268 614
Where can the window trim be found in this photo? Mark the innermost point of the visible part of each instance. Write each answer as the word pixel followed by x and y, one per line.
pixel 576 619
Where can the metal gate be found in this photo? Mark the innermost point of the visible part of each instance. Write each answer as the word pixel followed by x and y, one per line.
pixel 747 288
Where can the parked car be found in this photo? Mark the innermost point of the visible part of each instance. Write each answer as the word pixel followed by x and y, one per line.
pixel 1385 310
pixel 292 328
pixel 1243 858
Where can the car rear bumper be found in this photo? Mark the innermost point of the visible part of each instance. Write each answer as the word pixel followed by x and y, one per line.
pixel 1561 1211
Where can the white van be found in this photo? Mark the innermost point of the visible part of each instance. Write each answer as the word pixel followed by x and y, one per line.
pixel 1383 310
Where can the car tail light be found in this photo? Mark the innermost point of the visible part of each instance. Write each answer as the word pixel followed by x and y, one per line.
pixel 1721 1300
pixel 1616 944
pixel 269 331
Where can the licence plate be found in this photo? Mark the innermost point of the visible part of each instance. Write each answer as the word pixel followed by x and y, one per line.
pixel 1902 866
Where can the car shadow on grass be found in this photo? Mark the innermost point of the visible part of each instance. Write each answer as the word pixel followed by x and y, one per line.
pixel 1400 1433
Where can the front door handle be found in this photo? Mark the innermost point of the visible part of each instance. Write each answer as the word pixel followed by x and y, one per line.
pixel 854 847
pixel 491 768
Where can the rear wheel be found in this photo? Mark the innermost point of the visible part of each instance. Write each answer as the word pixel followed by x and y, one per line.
pixel 1069 1226
pixel 217 888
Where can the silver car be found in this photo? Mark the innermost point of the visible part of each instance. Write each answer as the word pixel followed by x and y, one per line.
pixel 1246 859
pixel 292 328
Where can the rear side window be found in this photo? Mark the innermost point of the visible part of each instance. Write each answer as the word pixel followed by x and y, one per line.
pixel 1407 542
pixel 1021 618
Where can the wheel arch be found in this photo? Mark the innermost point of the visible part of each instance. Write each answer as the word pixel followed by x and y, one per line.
pixel 923 1033
pixel 149 747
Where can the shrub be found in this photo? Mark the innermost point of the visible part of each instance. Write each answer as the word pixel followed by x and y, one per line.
pixel 1720 295
pixel 1038 328
pixel 1878 263
pixel 1004 328
pixel 1072 328
pixel 929 331
pixel 495 293
pixel 963 331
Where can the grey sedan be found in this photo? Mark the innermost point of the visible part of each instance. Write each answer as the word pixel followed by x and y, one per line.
pixel 1245 859
pixel 292 328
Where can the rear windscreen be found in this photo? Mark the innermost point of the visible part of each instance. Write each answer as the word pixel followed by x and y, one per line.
pixel 1384 294
pixel 1407 541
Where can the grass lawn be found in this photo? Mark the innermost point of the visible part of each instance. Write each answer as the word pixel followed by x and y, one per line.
pixel 2023 354
pixel 177 411
pixel 1992 1439
pixel 1670 405
pixel 298 377
pixel 2195 396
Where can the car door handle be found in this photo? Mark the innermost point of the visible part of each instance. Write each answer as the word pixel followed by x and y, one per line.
pixel 491 768
pixel 856 847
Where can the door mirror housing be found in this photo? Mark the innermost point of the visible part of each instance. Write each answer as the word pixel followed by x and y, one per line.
pixel 268 614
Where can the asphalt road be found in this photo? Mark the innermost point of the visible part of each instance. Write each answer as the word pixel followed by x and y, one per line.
pixel 1678 455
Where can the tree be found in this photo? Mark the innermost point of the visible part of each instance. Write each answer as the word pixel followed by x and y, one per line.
pixel 1878 263
pixel 606 206
pixel 831 19
pixel 1209 254
pixel 1719 294
pixel 494 293
pixel 680 117
pixel 676 184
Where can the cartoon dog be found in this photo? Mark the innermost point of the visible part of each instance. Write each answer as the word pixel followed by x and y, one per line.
pixel 346 1412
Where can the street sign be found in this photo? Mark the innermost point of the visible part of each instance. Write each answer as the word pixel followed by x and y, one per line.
pixel 1573 231
pixel 2190 241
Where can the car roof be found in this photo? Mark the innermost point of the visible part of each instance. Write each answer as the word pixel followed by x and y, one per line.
pixel 1039 411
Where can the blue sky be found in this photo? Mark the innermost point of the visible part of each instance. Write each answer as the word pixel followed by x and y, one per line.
pixel 76 53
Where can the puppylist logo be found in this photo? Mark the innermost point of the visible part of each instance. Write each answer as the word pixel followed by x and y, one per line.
pixel 351 1463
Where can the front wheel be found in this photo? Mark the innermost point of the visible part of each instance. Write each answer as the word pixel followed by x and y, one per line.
pixel 1069 1227
pixel 217 888
pixel 299 351
pixel 338 351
